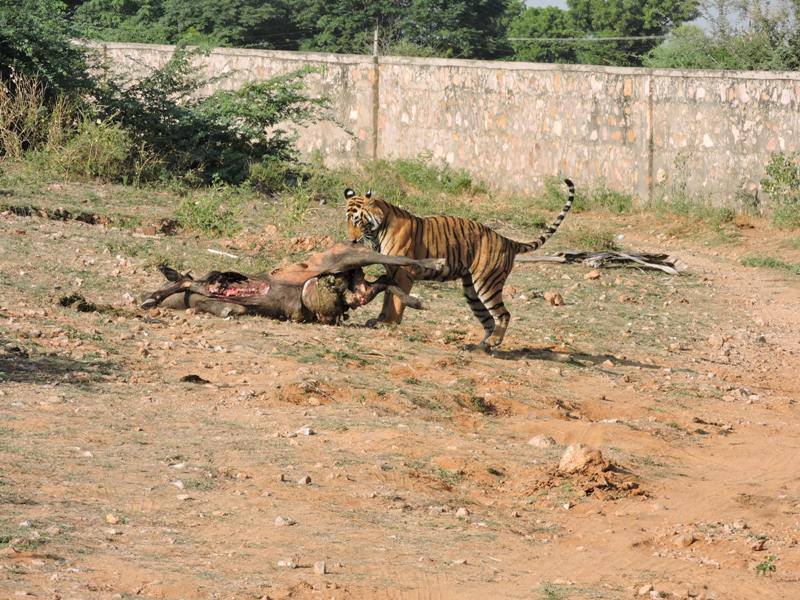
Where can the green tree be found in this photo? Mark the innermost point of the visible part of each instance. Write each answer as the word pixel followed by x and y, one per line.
pixel 626 18
pixel 35 41
pixel 120 20
pixel 547 22
pixel 454 28
pixel 460 28
pixel 742 35
pixel 243 23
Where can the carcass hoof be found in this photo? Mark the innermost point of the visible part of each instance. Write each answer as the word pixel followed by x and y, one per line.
pixel 378 324
pixel 415 302
pixel 148 303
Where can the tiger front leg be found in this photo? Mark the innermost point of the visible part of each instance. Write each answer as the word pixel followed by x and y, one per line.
pixel 393 307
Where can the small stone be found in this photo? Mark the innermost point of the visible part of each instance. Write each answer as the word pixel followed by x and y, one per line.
pixel 287 564
pixel 554 298
pixel 541 441
pixel 593 274
pixel 304 480
pixel 305 431
pixel 183 497
pixel 320 567
pixel 112 519
pixel 684 540
pixel 462 513
pixel 740 524
pixel 284 521
pixel 460 561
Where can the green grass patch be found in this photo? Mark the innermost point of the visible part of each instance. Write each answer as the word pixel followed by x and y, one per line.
pixel 448 477
pixel 589 238
pixel 772 263
pixel 214 211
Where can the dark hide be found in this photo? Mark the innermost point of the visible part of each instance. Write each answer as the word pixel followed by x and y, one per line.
pixel 320 289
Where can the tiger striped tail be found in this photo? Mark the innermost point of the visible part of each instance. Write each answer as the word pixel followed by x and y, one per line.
pixel 523 247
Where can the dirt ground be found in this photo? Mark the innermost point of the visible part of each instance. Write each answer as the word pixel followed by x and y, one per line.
pixel 118 480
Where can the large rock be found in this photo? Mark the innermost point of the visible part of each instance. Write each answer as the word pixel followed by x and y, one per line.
pixel 578 457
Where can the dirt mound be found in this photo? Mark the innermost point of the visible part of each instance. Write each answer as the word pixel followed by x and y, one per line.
pixel 589 473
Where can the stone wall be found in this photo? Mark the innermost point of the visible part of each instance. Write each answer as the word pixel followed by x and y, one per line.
pixel 638 131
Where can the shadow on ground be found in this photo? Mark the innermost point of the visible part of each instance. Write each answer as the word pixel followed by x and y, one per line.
pixel 581 359
pixel 20 365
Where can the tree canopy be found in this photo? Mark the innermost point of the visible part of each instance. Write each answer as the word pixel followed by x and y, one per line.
pixel 737 34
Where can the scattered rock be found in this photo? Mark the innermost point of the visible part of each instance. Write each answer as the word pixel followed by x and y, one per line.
pixel 578 457
pixel 320 567
pixel 304 480
pixel 593 274
pixel 462 513
pixel 460 561
pixel 192 378
pixel 758 545
pixel 684 540
pixel 112 519
pixel 554 298
pixel 183 497
pixel 541 441
pixel 740 524
pixel 287 564
pixel 645 590
pixel 305 431
pixel 284 521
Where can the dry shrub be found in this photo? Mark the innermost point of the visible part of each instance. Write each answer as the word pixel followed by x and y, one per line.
pixel 28 119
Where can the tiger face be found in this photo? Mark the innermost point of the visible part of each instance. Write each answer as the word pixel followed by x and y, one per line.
pixel 364 217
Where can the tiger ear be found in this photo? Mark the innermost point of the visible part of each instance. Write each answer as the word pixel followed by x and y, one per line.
pixel 349 193
pixel 369 193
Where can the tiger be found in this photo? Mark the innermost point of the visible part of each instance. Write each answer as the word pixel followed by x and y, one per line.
pixel 474 253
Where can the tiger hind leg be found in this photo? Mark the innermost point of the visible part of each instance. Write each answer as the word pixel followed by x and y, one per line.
pixel 478 309
pixel 491 296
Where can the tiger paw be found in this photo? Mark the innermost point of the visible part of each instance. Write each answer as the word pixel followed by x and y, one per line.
pixel 490 343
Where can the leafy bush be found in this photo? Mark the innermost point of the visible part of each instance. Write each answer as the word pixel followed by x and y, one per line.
pixel 271 175
pixel 782 183
pixel 218 135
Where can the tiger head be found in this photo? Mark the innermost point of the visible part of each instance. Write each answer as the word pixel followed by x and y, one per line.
pixel 364 217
